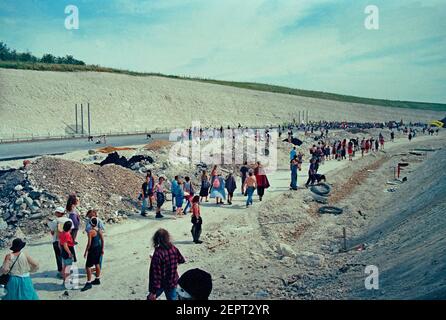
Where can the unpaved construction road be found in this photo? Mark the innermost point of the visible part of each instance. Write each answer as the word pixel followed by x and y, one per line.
pixel 238 251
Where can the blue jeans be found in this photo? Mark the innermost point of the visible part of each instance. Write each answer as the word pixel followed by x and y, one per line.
pixel 250 192
pixel 293 184
pixel 188 204
pixel 170 294
pixel 144 205
pixel 173 202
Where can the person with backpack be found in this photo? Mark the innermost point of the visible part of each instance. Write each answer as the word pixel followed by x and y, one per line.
pixel 196 220
pixel 14 273
pixel 205 185
pixel 218 189
pixel 94 214
pixel 72 203
pixel 93 253
pixel 163 272
pixel 54 226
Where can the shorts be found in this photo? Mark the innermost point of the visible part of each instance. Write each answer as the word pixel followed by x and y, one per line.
pixel 67 262
pixel 93 257
pixel 160 199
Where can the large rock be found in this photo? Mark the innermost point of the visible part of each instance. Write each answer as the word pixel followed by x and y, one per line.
pixel 36 216
pixel 310 259
pixel 19 201
pixel 286 250
pixel 18 187
pixel 37 203
pixel 28 201
pixel 3 224
pixel 35 195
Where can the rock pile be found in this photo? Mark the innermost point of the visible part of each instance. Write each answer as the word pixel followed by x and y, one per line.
pixel 28 196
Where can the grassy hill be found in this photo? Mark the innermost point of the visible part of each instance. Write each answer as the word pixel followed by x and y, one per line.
pixel 245 85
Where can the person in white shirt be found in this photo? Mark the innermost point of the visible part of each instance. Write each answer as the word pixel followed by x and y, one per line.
pixel 55 226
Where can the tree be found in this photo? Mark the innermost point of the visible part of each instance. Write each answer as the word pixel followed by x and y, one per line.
pixel 48 58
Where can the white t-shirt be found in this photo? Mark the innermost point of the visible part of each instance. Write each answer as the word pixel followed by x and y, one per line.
pixel 53 226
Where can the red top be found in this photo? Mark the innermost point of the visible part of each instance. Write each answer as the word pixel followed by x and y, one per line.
pixel 196 209
pixel 65 237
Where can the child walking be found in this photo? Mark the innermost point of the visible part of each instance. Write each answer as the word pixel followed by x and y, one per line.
pixel 66 244
pixel 196 220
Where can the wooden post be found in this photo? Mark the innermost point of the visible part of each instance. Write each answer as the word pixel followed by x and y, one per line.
pixel 82 118
pixel 88 110
pixel 75 109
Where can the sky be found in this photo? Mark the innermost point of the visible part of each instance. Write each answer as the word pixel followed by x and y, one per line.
pixel 320 45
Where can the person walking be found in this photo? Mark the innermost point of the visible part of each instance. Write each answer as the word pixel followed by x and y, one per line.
pixel 93 252
pixel 262 180
pixel 196 220
pixel 230 186
pixel 350 150
pixel 72 203
pixel 204 187
pixel 160 197
pixel 243 174
pixel 147 190
pixel 54 226
pixel 17 267
pixel 188 193
pixel 163 272
pixel 179 198
pixel 218 189
pixel 250 186
pixel 174 191
pixel 294 168
pixel 381 141
pixel 312 170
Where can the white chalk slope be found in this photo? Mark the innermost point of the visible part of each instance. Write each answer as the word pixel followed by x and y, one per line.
pixel 42 102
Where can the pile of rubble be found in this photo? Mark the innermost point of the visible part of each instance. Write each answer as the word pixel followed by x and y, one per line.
pixel 29 195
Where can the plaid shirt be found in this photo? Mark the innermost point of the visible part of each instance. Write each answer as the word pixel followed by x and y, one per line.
pixel 163 269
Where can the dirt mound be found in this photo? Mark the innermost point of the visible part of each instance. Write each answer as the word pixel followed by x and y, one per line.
pixel 110 149
pixel 157 145
pixel 28 196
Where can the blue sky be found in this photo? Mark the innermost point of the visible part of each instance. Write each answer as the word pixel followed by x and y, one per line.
pixel 308 44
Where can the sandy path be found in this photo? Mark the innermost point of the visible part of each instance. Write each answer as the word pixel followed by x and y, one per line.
pixel 128 245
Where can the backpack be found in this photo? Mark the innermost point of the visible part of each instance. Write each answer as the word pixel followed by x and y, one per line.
pixel 216 183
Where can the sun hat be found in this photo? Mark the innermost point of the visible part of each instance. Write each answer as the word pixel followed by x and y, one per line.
pixel 59 210
pixel 17 245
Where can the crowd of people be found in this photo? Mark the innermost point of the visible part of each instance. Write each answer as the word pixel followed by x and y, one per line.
pixel 186 198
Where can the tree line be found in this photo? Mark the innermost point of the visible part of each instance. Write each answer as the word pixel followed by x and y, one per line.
pixel 8 54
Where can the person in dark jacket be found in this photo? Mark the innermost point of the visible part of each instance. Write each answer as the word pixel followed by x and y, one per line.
pixel 163 273
pixel 230 186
